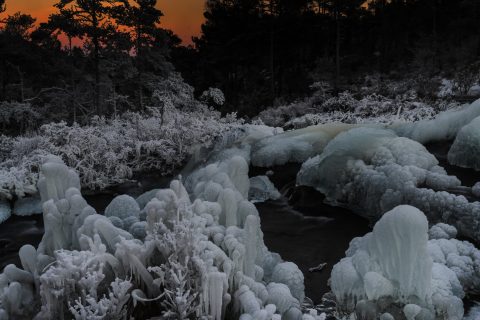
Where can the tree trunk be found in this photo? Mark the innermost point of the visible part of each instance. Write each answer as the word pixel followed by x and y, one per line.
pixel 272 59
pixel 96 61
pixel 337 49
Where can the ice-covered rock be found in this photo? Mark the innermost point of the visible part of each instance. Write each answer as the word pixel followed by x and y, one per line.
pixel 145 198
pixel 442 231
pixel 262 189
pixel 27 206
pixel 288 273
pixel 465 150
pixel 5 210
pixel 474 90
pixel 123 207
pixel 476 190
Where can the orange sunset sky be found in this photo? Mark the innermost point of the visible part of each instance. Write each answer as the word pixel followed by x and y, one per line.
pixel 184 17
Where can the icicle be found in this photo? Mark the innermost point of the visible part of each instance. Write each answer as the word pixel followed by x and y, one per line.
pixel 252 225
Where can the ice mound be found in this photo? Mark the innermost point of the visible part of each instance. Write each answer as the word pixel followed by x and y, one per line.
pixel 442 231
pixel 55 179
pixel 392 267
pixel 198 252
pixel 262 189
pixel 465 150
pixel 476 190
pixel 294 146
pixel 384 171
pixel 444 127
pixel 145 198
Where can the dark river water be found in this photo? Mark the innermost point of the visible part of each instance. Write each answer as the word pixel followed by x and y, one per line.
pixel 304 230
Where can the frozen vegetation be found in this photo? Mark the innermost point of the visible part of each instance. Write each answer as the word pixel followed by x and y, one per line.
pixel 108 151
pixel 190 253
pixel 375 100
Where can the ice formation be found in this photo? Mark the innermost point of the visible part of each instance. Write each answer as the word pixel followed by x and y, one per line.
pixel 262 189
pixel 56 179
pixel 294 146
pixel 444 127
pixel 193 251
pixel 371 171
pixel 465 150
pixel 27 206
pixel 476 190
pixel 397 266
pixel 5 210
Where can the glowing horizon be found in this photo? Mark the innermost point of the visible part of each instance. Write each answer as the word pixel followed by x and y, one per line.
pixel 183 17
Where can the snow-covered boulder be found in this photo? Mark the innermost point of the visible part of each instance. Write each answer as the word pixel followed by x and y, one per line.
pixel 474 91
pixel 145 198
pixel 442 231
pixel 5 210
pixel 262 189
pixel 476 190
pixel 123 207
pixel 288 273
pixel 465 150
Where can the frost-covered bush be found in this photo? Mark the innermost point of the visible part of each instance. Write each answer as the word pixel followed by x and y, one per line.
pixel 22 115
pixel 373 103
pixel 213 95
pixel 107 151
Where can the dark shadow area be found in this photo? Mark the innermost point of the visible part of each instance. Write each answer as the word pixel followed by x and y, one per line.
pixel 306 231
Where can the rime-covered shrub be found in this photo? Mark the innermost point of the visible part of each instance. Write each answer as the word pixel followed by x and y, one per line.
pixel 374 102
pixel 22 115
pixel 213 95
pixel 108 151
